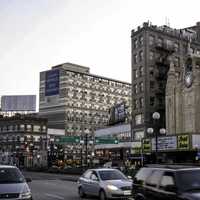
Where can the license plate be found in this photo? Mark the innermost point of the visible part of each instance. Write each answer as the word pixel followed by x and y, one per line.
pixel 128 192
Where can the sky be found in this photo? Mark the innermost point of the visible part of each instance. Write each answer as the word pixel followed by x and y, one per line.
pixel 38 34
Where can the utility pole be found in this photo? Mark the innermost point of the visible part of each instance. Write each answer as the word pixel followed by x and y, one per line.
pixel 86 149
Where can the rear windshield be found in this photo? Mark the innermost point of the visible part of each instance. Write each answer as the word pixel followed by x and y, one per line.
pixel 189 179
pixel 111 175
pixel 11 175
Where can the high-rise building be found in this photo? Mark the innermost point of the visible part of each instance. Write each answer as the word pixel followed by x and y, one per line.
pixel 152 46
pixel 73 99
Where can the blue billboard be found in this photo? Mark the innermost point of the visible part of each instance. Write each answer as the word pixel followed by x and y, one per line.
pixel 52 82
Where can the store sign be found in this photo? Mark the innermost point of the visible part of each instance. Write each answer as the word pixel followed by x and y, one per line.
pixel 183 142
pixel 146 144
pixel 165 143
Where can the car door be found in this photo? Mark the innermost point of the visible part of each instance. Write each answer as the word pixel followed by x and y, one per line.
pixel 94 184
pixel 85 181
pixel 151 185
pixel 167 187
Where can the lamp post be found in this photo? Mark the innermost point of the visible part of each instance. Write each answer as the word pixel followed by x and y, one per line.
pixel 156 117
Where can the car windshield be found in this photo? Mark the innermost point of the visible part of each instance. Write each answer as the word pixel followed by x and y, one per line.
pixel 11 175
pixel 189 179
pixel 111 175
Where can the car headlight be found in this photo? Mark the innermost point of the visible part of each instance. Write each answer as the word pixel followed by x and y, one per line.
pixel 26 195
pixel 112 187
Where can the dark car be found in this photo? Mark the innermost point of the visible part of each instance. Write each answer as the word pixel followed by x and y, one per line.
pixel 13 185
pixel 172 182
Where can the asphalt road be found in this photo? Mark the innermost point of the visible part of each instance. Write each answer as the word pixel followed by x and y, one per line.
pixel 54 190
pixel 53 186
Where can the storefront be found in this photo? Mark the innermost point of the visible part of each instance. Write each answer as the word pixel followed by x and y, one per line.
pixel 182 148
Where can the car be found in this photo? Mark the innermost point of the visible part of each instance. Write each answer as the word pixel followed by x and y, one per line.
pixel 105 184
pixel 13 185
pixel 167 182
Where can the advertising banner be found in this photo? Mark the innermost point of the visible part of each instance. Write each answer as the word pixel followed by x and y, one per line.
pixel 165 143
pixel 52 82
pixel 146 145
pixel 18 103
pixel 183 142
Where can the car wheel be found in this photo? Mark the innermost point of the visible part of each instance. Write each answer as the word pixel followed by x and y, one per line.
pixel 102 195
pixel 81 192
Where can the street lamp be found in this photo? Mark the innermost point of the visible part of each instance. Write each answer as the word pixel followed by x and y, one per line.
pixel 156 117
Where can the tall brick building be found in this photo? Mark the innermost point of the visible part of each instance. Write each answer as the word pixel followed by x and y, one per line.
pixel 152 46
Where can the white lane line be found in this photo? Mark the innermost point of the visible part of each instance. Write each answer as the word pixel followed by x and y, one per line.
pixel 55 196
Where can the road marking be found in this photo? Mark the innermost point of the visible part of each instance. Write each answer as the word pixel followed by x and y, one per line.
pixel 54 196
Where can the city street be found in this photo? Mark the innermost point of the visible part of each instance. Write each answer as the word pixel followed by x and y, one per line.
pixel 53 186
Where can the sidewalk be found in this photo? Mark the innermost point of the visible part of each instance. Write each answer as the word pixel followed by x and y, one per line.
pixel 50 176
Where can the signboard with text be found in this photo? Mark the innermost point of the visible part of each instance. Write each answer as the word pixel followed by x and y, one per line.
pixel 183 142
pixel 146 145
pixel 165 143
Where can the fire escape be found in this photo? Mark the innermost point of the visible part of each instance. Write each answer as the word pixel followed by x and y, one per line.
pixel 163 51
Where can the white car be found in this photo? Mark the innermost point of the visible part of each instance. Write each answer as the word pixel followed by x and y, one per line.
pixel 105 184
pixel 13 185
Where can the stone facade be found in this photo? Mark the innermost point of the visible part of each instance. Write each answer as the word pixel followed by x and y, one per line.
pixel 183 97
pixel 152 47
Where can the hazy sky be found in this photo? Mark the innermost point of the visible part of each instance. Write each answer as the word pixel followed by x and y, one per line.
pixel 37 34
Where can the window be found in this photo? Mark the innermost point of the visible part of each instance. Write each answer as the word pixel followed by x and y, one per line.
pixel 167 179
pixel 135 89
pixel 152 101
pixel 28 127
pixel 141 55
pixel 22 127
pixel 141 69
pixel 176 61
pixel 139 119
pixel 154 178
pixel 160 42
pixel 136 73
pixel 176 47
pixel 87 174
pixel 36 128
pixel 135 59
pixel 94 176
pixel 141 102
pixel 135 44
pixel 169 43
pixel 141 86
pixel 141 176
pixel 139 135
pixel 151 40
pixel 152 84
pixel 141 40
pixel 151 55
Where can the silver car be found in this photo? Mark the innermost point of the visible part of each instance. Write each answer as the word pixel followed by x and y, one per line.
pixel 105 184
pixel 13 184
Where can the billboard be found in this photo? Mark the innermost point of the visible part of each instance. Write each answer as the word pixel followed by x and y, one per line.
pixel 18 103
pixel 117 114
pixel 52 82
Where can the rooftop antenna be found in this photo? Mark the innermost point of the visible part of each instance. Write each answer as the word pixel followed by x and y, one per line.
pixel 167 23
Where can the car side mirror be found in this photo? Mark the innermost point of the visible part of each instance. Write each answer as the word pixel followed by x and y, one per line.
pixel 95 178
pixel 28 180
pixel 171 188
